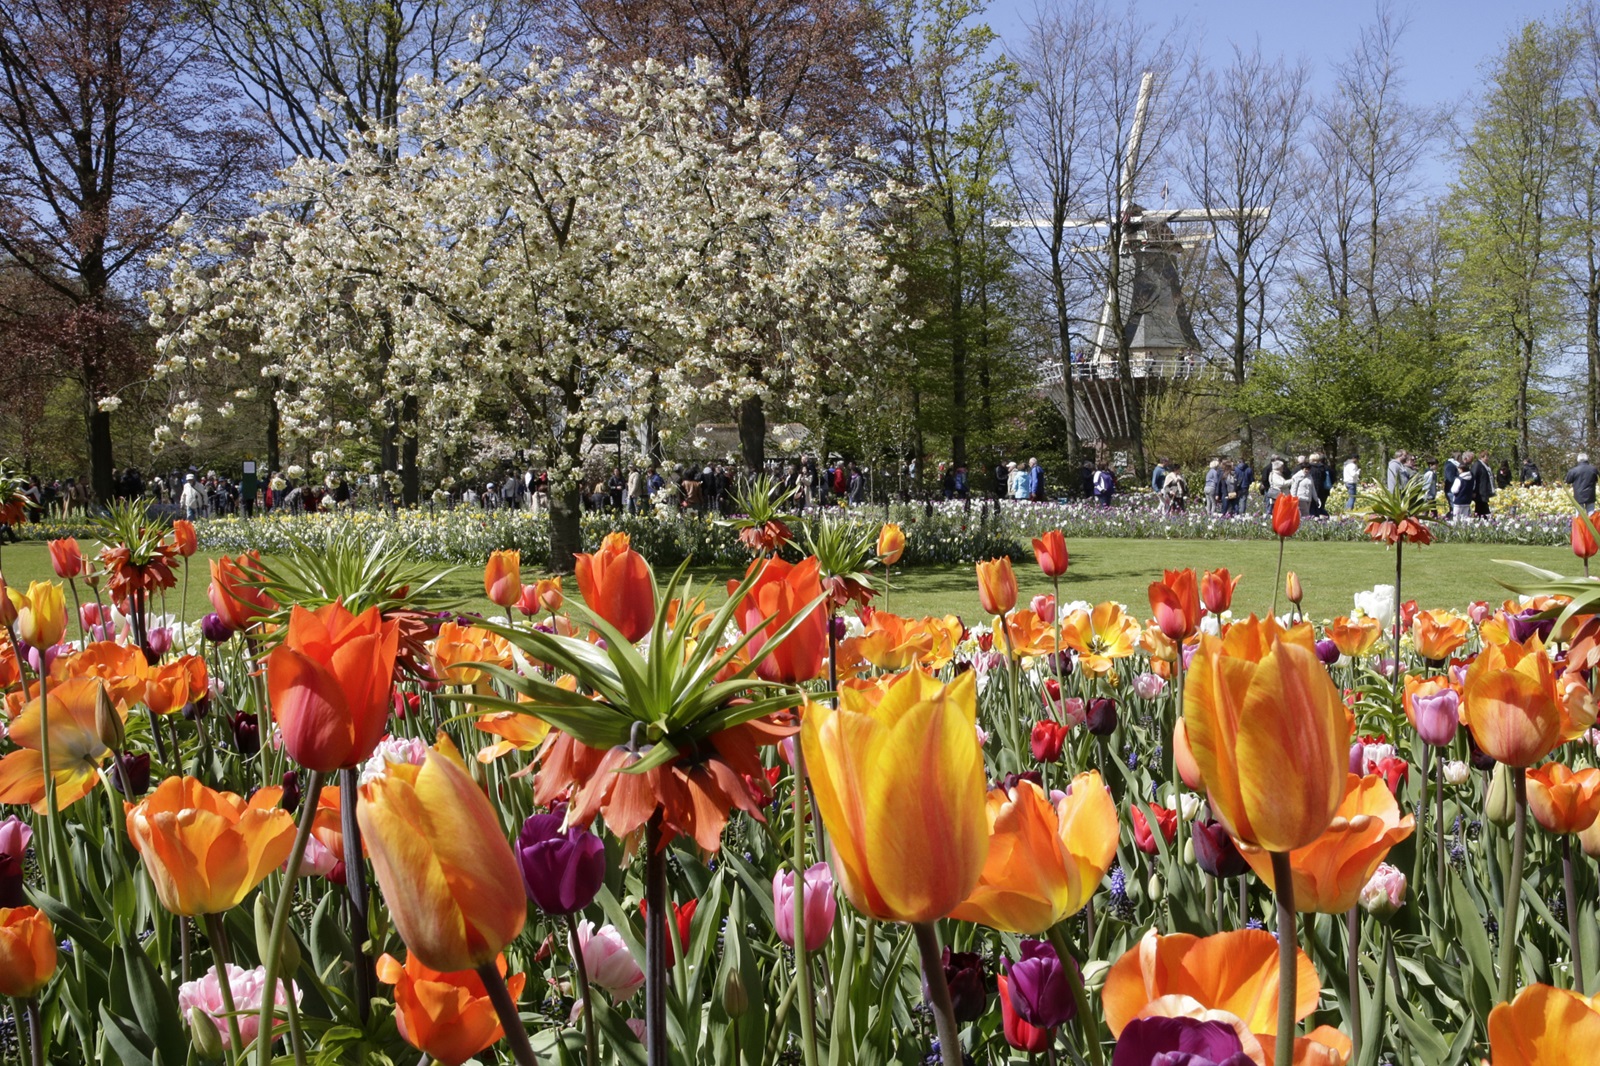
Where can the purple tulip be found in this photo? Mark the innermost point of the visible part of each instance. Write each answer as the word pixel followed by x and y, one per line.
pixel 214 629
pixel 1178 1042
pixel 14 838
pixel 969 995
pixel 159 642
pixel 1039 990
pixel 838 627
pixel 135 770
pixel 246 733
pixel 1526 623
pixel 1011 781
pixel 1188 654
pixel 562 869
pixel 1215 851
pixel 290 801
pixel 1437 716
pixel 1328 652
pixel 1358 757
pixel 1101 718
pixel 1476 755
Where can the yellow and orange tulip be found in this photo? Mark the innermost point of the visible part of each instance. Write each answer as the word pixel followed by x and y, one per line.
pixel 1438 634
pixel 997 586
pixel 76 749
pixel 41 613
pixel 502 578
pixel 458 650
pixel 1543 1026
pixel 27 952
pixel 1563 800
pixel 329 685
pixel 1027 635
pixel 1514 706
pixel 447 1015
pixel 891 543
pixel 548 592
pixel 1045 861
pixel 1330 872
pixel 1260 710
pixel 1100 637
pixel 205 850
pixel 616 584
pixel 446 870
pixel 1354 637
pixel 889 642
pixel 899 782
pixel 169 687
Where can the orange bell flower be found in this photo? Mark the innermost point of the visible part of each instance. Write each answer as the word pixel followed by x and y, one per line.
pixel 1050 552
pixel 446 1015
pixel 236 593
pixel 444 865
pixel 1330 872
pixel 1234 972
pixel 1216 590
pixel 502 578
pixel 183 537
pixel 781 591
pixel 205 850
pixel 617 585
pixel 1100 637
pixel 899 781
pixel 1045 861
pixel 329 684
pixel 1260 709
pixel 169 687
pixel 27 951
pixel 997 586
pixel 1354 637
pixel 1512 703
pixel 1562 800
pixel 76 749
pixel 1175 601
pixel 891 543
pixel 1285 515
pixel 41 613
pixel 1543 1026
pixel 66 558
pixel 1438 634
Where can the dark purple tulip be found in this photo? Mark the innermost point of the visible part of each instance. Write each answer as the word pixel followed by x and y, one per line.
pixel 1178 1042
pixel 14 838
pixel 963 972
pixel 1039 991
pixel 291 791
pixel 1525 624
pixel 1058 663
pixel 1011 781
pixel 198 709
pixel 561 869
pixel 1215 851
pixel 1476 756
pixel 838 626
pixel 1101 717
pixel 214 629
pixel 135 770
pixel 246 733
pixel 1328 652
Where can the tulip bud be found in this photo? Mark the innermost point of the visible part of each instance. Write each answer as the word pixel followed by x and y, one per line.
pixel 735 1000
pixel 132 770
pixel 1215 851
pixel 1500 805
pixel 963 975
pixel 203 1034
pixel 288 952
pixel 1188 852
pixel 1292 588
pixel 107 722
pixel 1155 888
pixel 1383 894
pixel 562 869
pixel 1457 772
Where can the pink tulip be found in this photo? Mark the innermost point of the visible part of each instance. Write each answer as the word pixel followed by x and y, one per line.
pixel 160 641
pixel 821 905
pixel 247 986
pixel 1045 607
pixel 1385 892
pixel 1149 686
pixel 606 957
pixel 1437 716
pixel 89 615
pixel 1074 711
pixel 14 836
pixel 1479 612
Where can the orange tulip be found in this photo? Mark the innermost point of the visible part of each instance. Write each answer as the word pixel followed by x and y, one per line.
pixel 121 668
pixel 458 649
pixel 1100 637
pixel 236 591
pixel 446 1015
pixel 1543 1026
pixel 891 543
pixel 1216 590
pixel 8 606
pixel 184 538
pixel 1354 637
pixel 1583 542
pixel 548 592
pixel 617 585
pixel 41 613
pixel 1260 710
pixel 1562 800
pixel 1330 872
pixel 66 558
pixel 168 688
pixel 76 749
pixel 899 783
pixel 1234 972
pixel 1437 634
pixel 1292 589
pixel 517 732
pixel 1512 703
pixel 1285 515
pixel 205 850
pixel 27 952
pixel 502 578
pixel 1050 552
pixel 444 865
pixel 997 586
pixel 889 643
pixel 1027 635
pixel 1183 757
pixel 329 684
pixel 781 591
pixel 1175 601
pixel 1323 1046
pixel 1044 862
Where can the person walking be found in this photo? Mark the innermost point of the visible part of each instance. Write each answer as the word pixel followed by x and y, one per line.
pixel 1530 474
pixel 1242 476
pixel 1213 483
pixel 1035 481
pixel 1502 475
pixel 1430 486
pixel 1016 482
pixel 1158 476
pixel 1228 489
pixel 1395 474
pixel 1482 488
pixel 1461 489
pixel 1352 481
pixel 1303 489
pixel 1582 478
pixel 1322 481
pixel 1105 483
pixel 193 501
pixel 1174 490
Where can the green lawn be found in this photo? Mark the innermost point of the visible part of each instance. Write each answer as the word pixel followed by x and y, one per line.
pixel 1449 575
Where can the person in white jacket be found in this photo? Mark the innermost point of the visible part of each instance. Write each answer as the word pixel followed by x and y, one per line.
pixel 1352 480
pixel 193 501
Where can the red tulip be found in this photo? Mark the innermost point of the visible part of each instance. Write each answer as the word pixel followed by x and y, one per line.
pixel 682 919
pixel 66 558
pixel 183 536
pixel 1143 838
pixel 1047 739
pixel 781 592
pixel 1583 542
pixel 1175 600
pixel 1285 515
pixel 1216 590
pixel 1019 1034
pixel 1050 551
pixel 617 585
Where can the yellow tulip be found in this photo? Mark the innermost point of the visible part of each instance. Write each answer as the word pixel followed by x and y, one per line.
pixel 41 613
pixel 899 782
pixel 1044 862
pixel 1543 1026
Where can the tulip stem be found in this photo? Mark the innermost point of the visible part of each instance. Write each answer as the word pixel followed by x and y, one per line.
pixel 506 1008
pixel 580 973
pixel 1080 1000
pixel 655 944
pixel 35 1044
pixel 1508 913
pixel 1352 925
pixel 802 969
pixel 1438 830
pixel 355 876
pixel 1288 964
pixel 1399 609
pixel 1572 913
pixel 1276 585
pixel 280 916
pixel 944 1013
pixel 220 966
pixel 58 844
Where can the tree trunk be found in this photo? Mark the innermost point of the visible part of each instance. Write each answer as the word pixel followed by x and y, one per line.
pixel 100 454
pixel 753 433
pixel 410 476
pixel 566 538
pixel 1591 397
pixel 272 424
pixel 1058 281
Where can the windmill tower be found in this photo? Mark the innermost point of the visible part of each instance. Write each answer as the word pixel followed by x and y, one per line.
pixel 1147 296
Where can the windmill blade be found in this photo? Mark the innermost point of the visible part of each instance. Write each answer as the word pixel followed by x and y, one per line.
pixel 1199 214
pixel 1045 223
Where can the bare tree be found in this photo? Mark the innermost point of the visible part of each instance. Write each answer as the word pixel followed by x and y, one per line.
pixel 112 125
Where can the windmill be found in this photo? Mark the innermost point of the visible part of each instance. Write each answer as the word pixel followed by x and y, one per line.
pixel 1147 296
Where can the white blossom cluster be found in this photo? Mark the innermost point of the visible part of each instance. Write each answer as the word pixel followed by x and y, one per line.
pixel 580 247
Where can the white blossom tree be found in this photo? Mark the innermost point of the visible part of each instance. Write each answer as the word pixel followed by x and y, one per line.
pixel 579 247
